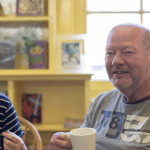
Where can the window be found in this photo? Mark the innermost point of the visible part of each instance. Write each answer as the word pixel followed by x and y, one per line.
pixel 102 15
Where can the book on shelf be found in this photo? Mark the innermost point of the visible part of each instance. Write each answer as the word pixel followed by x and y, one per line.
pixel 73 123
pixel 30 8
pixel 38 55
pixel 21 54
pixel 7 55
pixel 31 107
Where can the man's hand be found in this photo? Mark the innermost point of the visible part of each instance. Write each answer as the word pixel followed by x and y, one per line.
pixel 61 141
pixel 12 141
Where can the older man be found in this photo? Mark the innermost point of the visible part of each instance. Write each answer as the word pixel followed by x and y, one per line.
pixel 121 116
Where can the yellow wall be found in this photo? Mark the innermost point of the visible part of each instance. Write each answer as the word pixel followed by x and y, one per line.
pixel 67 12
pixel 97 87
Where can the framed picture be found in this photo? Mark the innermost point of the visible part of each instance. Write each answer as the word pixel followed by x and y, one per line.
pixel 30 7
pixel 71 52
pixel 31 107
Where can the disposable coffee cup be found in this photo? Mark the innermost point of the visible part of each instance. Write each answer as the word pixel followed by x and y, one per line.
pixel 83 138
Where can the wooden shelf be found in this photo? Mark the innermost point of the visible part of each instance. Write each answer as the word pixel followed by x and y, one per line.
pixel 50 127
pixel 41 75
pixel 23 18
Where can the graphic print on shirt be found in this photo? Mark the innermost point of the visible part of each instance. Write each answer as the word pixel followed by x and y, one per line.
pixel 132 127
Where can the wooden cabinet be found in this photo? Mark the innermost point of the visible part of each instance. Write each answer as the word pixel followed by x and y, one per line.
pixel 63 95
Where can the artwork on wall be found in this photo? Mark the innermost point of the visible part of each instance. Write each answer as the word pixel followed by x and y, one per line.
pixel 30 7
pixel 31 107
pixel 71 52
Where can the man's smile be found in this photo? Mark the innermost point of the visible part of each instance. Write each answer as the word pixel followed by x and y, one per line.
pixel 120 72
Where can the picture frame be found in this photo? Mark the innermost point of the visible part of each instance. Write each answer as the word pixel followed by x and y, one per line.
pixel 71 52
pixel 29 8
pixel 32 107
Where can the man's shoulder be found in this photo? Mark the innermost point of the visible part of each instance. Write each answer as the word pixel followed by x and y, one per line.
pixel 4 98
pixel 105 100
pixel 108 96
pixel 112 93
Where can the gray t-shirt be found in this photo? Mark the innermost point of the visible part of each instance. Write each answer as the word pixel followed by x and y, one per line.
pixel 120 125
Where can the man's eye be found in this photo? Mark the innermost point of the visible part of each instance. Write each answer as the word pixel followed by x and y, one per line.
pixel 109 53
pixel 127 52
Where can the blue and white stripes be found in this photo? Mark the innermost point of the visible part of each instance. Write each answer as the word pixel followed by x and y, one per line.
pixel 8 118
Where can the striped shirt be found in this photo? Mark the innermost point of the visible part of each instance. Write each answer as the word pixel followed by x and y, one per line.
pixel 8 119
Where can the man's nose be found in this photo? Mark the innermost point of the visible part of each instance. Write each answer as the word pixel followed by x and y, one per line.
pixel 118 60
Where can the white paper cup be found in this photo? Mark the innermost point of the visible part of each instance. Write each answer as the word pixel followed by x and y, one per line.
pixel 83 138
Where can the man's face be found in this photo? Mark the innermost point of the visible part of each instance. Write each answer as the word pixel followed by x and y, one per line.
pixel 126 60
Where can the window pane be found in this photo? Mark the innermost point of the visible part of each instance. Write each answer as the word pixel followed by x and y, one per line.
pixel 98 27
pixel 146 21
pixel 113 5
pixel 146 5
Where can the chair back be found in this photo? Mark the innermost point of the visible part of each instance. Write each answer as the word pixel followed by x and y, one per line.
pixel 28 126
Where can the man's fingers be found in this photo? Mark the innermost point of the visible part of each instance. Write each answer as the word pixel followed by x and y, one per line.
pixel 61 140
pixel 7 131
pixel 10 137
pixel 64 136
pixel 63 144
pixel 7 135
pixel 6 147
pixel 8 144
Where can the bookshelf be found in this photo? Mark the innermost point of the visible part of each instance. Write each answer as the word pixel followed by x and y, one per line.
pixel 63 94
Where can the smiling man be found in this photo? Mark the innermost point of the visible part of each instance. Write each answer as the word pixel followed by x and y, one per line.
pixel 121 116
pixel 128 61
